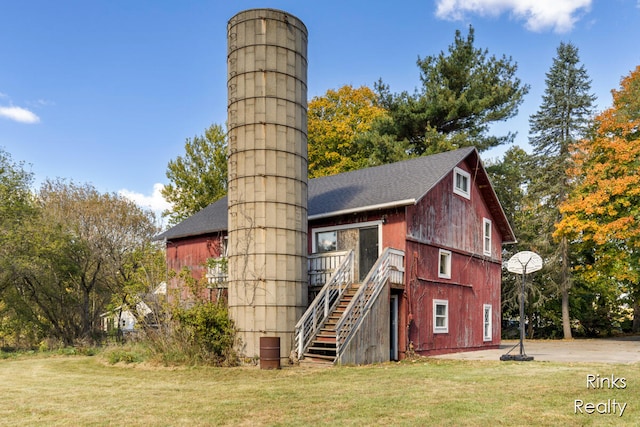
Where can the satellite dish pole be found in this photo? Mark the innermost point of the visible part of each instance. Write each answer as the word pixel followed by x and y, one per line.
pixel 522 263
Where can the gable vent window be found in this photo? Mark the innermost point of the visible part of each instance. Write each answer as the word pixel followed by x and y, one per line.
pixel 461 183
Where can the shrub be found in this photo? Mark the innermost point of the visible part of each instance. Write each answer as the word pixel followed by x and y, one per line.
pixel 208 332
pixel 201 334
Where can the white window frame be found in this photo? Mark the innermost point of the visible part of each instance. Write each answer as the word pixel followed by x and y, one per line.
pixel 442 329
pixel 355 225
pixel 486 236
pixel 464 192
pixel 487 323
pixel 218 275
pixel 444 271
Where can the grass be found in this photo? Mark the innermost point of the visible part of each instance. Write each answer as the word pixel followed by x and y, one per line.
pixel 83 390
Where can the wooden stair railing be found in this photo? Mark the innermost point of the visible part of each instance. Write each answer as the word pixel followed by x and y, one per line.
pixel 322 349
pixel 323 305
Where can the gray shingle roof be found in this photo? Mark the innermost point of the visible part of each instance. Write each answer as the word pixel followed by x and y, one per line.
pixel 395 184
pixel 209 220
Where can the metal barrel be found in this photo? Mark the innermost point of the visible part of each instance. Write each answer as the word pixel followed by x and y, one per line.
pixel 269 352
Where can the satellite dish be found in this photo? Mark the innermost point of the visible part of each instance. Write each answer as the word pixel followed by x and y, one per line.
pixel 524 262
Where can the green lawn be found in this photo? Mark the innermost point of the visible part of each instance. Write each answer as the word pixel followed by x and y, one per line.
pixel 82 390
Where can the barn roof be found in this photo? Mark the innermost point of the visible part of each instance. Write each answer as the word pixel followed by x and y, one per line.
pixel 391 185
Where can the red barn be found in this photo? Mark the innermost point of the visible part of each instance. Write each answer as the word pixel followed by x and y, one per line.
pixel 404 257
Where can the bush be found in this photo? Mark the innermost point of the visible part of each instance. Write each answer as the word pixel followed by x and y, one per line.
pixel 208 332
pixel 201 334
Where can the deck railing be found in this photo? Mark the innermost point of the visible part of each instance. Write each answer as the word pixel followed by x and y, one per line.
pixel 323 265
pixel 326 300
pixel 390 266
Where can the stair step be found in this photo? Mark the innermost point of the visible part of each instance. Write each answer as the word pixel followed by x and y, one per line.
pixel 319 357
pixel 322 351
pixel 311 361
pixel 323 344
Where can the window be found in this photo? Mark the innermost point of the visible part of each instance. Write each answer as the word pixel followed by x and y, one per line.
pixel 440 316
pixel 326 241
pixel 461 183
pixel 487 335
pixel 224 247
pixel 486 239
pixel 444 264
pixel 217 268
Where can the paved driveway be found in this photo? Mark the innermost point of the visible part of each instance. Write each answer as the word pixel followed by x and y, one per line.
pixel 609 350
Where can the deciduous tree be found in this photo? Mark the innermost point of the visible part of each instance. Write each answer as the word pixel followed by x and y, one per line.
pixel 68 258
pixel 602 212
pixel 342 132
pixel 198 178
pixel 16 209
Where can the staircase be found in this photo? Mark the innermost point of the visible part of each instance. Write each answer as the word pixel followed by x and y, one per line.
pixel 322 350
pixel 325 330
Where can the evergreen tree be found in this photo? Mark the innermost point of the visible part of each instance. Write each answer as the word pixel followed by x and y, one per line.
pixel 463 92
pixel 563 117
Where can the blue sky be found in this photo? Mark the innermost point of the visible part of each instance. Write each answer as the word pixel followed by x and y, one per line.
pixel 107 91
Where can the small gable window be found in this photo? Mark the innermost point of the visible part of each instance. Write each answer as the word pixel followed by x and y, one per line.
pixel 444 264
pixel 461 183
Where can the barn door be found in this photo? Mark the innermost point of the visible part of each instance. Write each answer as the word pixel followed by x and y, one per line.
pixel 368 245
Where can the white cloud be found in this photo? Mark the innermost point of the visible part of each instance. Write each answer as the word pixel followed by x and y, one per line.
pixel 19 114
pixel 539 15
pixel 155 201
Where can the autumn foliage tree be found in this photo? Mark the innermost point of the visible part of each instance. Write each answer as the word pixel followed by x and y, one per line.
pixel 603 211
pixel 341 127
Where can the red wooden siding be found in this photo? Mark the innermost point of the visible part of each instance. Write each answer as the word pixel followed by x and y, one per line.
pixel 447 220
pixel 444 220
pixel 191 252
pixel 394 230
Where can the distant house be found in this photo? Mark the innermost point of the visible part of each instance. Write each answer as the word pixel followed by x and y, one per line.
pixel 124 320
pixel 403 258
pixel 120 319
